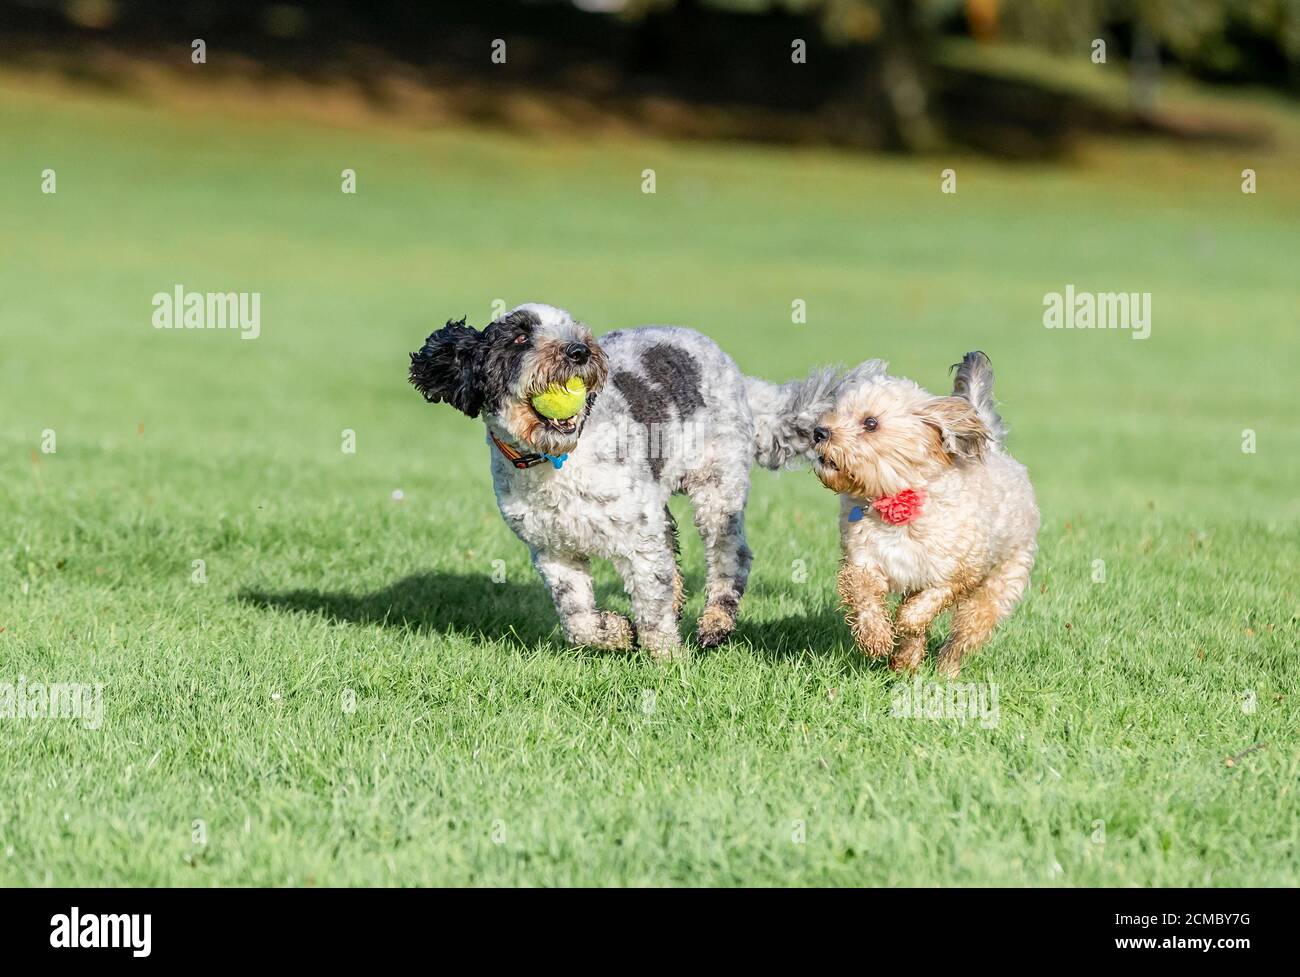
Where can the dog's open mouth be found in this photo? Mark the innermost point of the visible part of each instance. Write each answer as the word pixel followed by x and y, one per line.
pixel 567 425
pixel 826 463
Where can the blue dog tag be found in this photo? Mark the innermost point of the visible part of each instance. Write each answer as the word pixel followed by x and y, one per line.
pixel 557 461
pixel 855 514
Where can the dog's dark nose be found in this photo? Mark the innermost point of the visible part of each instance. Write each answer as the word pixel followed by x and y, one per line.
pixel 820 434
pixel 577 352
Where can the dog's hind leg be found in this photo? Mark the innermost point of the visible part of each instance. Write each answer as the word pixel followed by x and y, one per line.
pixel 720 518
pixel 978 612
pixel 569 580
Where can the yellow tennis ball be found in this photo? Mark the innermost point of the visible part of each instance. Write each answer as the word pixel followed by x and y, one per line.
pixel 561 402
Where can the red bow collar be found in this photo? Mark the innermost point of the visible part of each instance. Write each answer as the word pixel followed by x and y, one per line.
pixel 900 508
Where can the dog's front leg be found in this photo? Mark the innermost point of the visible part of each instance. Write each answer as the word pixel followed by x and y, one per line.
pixel 915 615
pixel 862 592
pixel 569 580
pixel 648 577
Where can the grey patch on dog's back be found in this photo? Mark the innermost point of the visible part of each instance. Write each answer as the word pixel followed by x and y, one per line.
pixel 648 406
pixel 677 373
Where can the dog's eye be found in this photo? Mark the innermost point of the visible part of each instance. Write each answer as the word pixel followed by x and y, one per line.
pixel 871 424
pixel 521 339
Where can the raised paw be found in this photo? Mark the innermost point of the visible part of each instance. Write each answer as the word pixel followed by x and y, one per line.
pixel 873 634
pixel 716 625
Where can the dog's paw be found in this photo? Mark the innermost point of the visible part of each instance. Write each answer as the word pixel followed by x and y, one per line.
pixel 615 632
pixel 873 634
pixel 909 654
pixel 662 646
pixel 604 629
pixel 949 666
pixel 716 625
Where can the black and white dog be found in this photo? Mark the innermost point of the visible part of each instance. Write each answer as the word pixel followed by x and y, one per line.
pixel 667 411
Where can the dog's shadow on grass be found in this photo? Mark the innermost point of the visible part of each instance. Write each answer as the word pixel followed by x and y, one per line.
pixel 470 605
pixel 474 606
pixel 819 632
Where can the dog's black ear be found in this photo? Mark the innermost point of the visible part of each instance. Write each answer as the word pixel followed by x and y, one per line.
pixel 447 368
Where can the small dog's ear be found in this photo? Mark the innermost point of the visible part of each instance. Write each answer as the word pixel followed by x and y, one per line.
pixel 447 368
pixel 962 434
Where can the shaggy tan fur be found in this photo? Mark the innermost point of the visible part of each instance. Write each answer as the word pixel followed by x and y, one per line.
pixel 679 593
pixel 862 591
pixel 972 545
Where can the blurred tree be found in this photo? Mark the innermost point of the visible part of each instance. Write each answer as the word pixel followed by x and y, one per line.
pixel 1227 40
pixel 895 37
pixel 869 73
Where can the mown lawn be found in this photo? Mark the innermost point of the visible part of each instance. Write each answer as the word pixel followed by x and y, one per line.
pixel 350 698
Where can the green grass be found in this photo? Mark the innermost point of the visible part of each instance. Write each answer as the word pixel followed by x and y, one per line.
pixel 483 751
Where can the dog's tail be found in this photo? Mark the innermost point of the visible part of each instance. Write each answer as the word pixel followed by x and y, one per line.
pixel 974 382
pixel 785 415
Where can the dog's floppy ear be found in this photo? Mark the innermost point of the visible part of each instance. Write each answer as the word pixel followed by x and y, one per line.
pixel 447 368
pixel 962 434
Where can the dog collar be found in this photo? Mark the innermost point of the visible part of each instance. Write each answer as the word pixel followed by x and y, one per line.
pixel 522 460
pixel 894 509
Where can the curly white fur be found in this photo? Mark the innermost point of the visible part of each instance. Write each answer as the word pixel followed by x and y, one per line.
pixel 675 415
